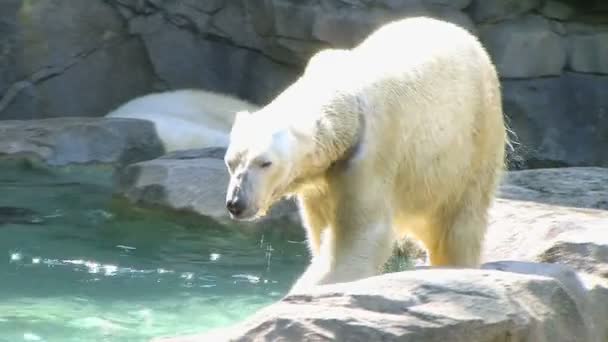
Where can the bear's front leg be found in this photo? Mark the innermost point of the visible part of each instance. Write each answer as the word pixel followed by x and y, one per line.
pixel 315 217
pixel 357 242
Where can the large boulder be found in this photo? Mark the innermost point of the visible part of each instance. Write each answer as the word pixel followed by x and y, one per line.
pixel 484 11
pixel 65 141
pixel 576 187
pixel 502 302
pixel 194 181
pixel 67 58
pixel 555 215
pixel 520 47
pixel 588 53
pixel 559 121
pixel 219 66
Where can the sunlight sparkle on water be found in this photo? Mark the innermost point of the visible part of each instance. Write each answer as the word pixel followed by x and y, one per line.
pixel 90 270
pixel 16 257
pixel 250 278
pixel 31 337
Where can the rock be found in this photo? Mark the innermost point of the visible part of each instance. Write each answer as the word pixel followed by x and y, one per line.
pixel 530 231
pixel 555 9
pixel 64 141
pixel 219 66
pixel 16 215
pixel 589 53
pixel 579 187
pixel 194 181
pixel 484 11
pixel 559 121
pixel 455 17
pixel 517 304
pixel 589 292
pixel 456 4
pixel 346 28
pixel 67 58
pixel 542 216
pixel 209 152
pixel 293 20
pixel 520 47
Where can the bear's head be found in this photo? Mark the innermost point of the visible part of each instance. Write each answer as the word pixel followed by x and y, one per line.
pixel 260 160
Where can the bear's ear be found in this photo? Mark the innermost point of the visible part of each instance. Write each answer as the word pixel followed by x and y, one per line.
pixel 240 119
pixel 241 116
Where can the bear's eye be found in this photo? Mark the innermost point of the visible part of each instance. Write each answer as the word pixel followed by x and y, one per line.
pixel 231 166
pixel 265 164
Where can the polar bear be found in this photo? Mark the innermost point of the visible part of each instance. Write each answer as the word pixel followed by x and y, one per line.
pixel 186 118
pixel 402 135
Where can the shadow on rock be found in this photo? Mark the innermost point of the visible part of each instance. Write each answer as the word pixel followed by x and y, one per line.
pixel 579 187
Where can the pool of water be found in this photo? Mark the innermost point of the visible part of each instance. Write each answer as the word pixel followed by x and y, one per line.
pixel 75 266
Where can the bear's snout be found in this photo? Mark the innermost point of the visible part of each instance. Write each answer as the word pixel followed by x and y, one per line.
pixel 235 206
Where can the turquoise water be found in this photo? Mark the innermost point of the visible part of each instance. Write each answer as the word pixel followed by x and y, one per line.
pixel 76 265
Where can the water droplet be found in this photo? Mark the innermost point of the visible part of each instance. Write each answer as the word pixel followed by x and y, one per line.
pixel 187 275
pixel 250 278
pixel 31 337
pixel 93 267
pixel 110 270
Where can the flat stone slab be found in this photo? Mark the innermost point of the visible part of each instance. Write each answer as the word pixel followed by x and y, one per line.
pixel 502 302
pixel 64 141
pixel 192 180
pixel 552 215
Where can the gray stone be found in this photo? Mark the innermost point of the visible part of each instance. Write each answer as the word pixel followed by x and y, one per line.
pixel 346 28
pixel 456 4
pixel 519 48
pixel 233 22
pixel 589 292
pixel 455 17
pixel 65 141
pixel 585 28
pixel 67 58
pixel 293 20
pixel 209 152
pixel 513 303
pixel 484 11
pixel 589 53
pixel 544 215
pixel 194 181
pixel 559 121
pixel 556 9
pixel 541 216
pixel 401 4
pixel 220 66
pixel 580 187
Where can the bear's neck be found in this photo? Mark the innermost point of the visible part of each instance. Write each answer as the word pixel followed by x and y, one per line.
pixel 335 136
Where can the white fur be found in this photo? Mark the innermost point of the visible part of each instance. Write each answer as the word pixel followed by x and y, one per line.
pixel 186 118
pixel 403 134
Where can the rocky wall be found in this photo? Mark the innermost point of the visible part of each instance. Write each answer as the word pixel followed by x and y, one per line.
pixel 77 58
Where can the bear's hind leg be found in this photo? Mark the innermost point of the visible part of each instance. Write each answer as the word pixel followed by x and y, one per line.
pixel 457 239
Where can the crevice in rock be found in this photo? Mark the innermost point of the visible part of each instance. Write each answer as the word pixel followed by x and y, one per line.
pixel 51 71
pixel 184 22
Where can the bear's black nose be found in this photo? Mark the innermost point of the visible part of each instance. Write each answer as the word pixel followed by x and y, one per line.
pixel 235 206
